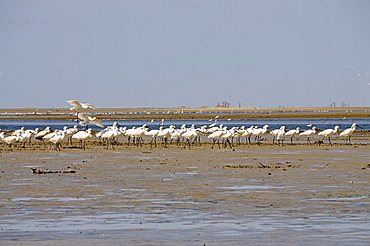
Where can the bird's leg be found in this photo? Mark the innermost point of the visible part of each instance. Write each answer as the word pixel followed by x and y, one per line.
pixel 228 141
pixel 349 140
pixel 291 140
pixel 330 141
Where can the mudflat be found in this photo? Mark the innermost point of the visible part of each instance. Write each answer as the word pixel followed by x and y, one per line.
pixel 255 195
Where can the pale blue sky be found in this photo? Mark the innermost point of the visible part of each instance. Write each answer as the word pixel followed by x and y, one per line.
pixel 192 53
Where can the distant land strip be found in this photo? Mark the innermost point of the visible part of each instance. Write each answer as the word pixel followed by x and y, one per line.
pixel 184 113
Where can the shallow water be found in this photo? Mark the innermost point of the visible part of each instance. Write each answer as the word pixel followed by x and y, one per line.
pixel 273 123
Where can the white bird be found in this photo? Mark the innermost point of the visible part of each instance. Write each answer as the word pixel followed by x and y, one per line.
pixel 16 132
pixel 10 140
pixel 42 133
pixel 69 132
pixel 215 136
pixel 348 132
pixel 248 133
pixel 280 135
pixel 76 105
pixel 190 134
pixel 57 139
pixel 274 133
pixel 228 134
pixel 165 134
pixel 48 136
pixel 308 133
pixel 27 136
pixel 153 134
pixel 86 119
pixel 328 132
pixel 259 132
pixel 82 136
pixel 292 133
pixel 2 136
pixel 110 135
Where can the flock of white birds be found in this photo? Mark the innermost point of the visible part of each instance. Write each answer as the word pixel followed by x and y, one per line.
pixel 189 136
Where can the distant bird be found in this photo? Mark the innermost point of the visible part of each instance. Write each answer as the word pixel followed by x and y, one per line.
pixel 292 133
pixel 308 133
pixel 162 122
pixel 348 132
pixel 86 119
pixel 328 132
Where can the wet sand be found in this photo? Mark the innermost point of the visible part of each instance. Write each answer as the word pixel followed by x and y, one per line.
pixel 255 195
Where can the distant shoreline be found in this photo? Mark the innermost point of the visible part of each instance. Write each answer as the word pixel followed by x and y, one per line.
pixel 185 113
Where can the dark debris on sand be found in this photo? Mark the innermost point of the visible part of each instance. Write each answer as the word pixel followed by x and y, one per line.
pixel 47 171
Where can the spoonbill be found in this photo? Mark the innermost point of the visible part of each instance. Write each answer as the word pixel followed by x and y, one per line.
pixel 41 134
pixel 280 135
pixel 78 106
pixel 57 139
pixel 292 133
pixel 274 133
pixel 260 132
pixel 12 139
pixel 308 133
pixel 215 136
pixel 328 132
pixel 86 119
pixel 348 132
pixel 82 136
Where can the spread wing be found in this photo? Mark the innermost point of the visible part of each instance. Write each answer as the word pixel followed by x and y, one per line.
pixel 97 122
pixel 87 105
pixel 75 103
pixel 83 117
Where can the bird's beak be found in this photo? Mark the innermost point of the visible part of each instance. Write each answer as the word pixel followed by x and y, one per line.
pixel 360 127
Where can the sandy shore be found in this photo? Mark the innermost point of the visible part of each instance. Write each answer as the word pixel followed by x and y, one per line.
pixel 255 195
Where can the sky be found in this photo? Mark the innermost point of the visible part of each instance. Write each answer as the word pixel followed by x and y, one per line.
pixel 171 53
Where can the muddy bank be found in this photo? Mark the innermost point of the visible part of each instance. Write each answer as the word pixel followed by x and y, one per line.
pixel 253 195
